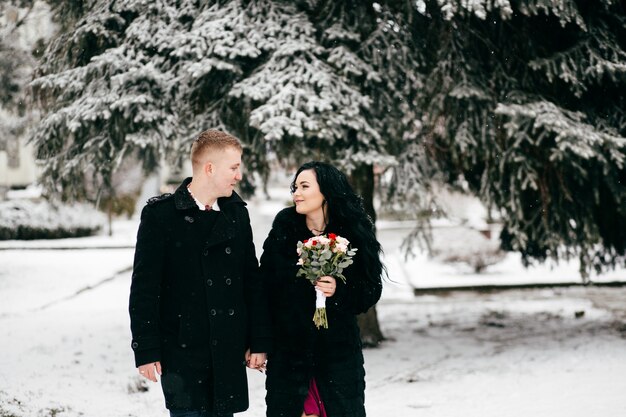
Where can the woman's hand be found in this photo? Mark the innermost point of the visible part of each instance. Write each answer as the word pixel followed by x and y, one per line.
pixel 326 285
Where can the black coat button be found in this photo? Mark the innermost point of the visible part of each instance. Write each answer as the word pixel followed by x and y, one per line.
pixel 231 312
pixel 227 250
pixel 209 282
pixel 228 281
pixel 213 312
pixel 206 252
pixel 214 342
pixel 135 345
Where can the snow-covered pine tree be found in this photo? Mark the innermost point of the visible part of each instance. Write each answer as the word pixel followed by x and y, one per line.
pixel 146 76
pixel 106 97
pixel 524 101
pixel 311 79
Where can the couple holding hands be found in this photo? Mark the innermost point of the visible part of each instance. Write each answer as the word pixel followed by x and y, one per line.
pixel 202 309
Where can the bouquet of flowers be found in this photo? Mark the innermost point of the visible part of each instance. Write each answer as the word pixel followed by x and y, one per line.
pixel 321 256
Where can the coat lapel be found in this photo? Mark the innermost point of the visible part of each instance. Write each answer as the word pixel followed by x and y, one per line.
pixel 223 230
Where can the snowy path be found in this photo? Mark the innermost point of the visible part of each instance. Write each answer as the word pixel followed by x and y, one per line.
pixel 516 353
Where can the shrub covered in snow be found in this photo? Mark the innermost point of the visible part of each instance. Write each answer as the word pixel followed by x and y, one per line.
pixel 465 246
pixel 25 219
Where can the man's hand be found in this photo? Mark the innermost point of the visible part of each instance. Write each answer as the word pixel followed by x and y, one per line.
pixel 256 360
pixel 150 370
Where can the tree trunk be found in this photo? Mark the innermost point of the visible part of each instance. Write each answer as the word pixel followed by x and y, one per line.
pixel 371 335
pixel 363 182
pixel 110 217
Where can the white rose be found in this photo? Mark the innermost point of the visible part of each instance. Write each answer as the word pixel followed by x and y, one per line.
pixel 341 248
pixel 324 241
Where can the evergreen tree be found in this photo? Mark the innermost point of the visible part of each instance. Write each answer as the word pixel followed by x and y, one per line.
pixel 524 103
pixel 146 77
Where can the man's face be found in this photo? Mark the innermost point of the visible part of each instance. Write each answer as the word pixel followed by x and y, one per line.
pixel 226 171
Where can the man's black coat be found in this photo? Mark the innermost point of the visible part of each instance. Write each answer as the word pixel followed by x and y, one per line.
pixel 196 300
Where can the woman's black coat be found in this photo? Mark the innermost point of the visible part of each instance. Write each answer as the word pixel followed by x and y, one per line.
pixel 301 351
pixel 197 301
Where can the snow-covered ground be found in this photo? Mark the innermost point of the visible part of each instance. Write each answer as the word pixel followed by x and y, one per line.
pixel 64 336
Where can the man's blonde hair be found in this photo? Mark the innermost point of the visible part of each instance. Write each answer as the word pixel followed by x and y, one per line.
pixel 212 140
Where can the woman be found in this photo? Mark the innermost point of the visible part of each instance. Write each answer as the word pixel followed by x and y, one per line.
pixel 315 371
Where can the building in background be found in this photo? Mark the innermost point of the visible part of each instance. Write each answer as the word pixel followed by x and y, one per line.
pixel 18 168
pixel 23 32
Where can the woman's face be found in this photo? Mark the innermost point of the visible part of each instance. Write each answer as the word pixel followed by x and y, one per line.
pixel 307 195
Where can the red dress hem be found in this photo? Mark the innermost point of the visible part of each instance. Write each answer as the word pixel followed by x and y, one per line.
pixel 313 403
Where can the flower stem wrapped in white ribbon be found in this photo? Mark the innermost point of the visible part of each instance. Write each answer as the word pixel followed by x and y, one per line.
pixel 323 256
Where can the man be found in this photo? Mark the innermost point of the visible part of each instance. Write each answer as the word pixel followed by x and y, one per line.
pixel 197 308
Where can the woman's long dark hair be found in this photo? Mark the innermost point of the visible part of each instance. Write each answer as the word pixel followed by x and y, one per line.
pixel 345 209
